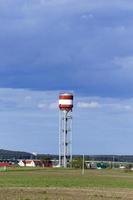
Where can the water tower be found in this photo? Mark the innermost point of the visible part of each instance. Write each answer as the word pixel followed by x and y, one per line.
pixel 65 129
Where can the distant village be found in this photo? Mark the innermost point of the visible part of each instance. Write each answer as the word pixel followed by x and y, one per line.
pixel 24 159
pixel 77 164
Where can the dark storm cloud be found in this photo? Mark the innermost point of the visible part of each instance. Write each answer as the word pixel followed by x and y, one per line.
pixel 82 45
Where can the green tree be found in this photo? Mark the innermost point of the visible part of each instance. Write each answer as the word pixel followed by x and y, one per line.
pixel 77 162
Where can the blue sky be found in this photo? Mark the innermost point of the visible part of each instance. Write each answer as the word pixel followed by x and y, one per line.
pixel 48 46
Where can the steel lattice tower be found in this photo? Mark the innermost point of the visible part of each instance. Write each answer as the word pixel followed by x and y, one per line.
pixel 65 129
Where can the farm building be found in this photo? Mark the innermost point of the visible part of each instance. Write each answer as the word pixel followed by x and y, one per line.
pixel 34 163
pixel 5 164
pixel 30 163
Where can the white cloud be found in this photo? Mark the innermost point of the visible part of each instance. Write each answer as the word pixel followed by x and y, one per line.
pixel 118 107
pixel 87 16
pixel 26 99
pixel 53 105
pixel 42 105
pixel 106 104
pixel 124 62
pixel 88 105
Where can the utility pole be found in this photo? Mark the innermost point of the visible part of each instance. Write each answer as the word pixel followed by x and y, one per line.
pixel 83 165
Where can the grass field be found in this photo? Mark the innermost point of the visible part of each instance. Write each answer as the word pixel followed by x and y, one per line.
pixel 59 184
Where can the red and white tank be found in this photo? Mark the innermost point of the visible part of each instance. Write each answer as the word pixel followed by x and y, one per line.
pixel 66 101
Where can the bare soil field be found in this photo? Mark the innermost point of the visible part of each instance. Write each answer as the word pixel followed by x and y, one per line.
pixel 65 194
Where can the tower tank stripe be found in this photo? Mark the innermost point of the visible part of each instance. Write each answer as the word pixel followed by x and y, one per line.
pixel 65 102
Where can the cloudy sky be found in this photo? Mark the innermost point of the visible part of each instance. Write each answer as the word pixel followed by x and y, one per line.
pixel 84 46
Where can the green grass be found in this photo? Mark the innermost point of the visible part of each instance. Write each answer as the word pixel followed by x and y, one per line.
pixel 38 177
